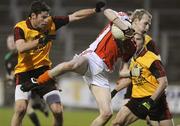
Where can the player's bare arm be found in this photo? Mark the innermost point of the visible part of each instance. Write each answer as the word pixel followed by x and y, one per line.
pixel 81 14
pixel 23 46
pixel 113 17
pixel 163 83
pixel 123 25
pixel 136 71
pixel 120 84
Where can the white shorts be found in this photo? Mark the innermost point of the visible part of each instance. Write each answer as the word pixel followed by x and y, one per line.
pixel 96 73
pixel 50 97
pixel 20 95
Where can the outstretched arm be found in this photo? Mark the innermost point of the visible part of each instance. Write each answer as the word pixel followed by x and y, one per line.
pixel 81 14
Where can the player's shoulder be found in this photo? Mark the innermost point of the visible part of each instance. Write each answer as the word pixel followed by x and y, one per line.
pixel 152 55
pixel 20 23
pixel 148 58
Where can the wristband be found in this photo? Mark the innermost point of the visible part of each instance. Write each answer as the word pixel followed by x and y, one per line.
pixel 113 93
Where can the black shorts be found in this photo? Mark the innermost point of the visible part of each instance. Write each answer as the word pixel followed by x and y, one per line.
pixel 160 110
pixel 37 101
pixel 42 89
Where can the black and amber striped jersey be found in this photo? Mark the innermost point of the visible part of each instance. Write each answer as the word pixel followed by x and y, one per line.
pixel 39 56
pixel 152 69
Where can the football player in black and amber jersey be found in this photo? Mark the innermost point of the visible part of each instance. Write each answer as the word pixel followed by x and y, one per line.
pixel 35 102
pixel 33 39
pixel 141 20
pixel 148 89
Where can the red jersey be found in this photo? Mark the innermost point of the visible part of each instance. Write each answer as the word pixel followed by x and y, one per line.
pixel 109 49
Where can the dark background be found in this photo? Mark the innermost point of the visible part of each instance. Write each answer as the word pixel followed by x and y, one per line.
pixel 76 37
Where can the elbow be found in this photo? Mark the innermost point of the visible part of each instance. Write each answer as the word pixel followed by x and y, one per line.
pixel 165 84
pixel 21 47
pixel 110 14
pixel 21 50
pixel 70 66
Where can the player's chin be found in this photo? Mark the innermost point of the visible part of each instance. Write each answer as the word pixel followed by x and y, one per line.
pixel 43 26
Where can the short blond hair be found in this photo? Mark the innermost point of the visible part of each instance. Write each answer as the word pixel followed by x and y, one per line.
pixel 138 13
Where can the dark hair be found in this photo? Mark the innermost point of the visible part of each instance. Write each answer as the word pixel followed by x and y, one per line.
pixel 38 6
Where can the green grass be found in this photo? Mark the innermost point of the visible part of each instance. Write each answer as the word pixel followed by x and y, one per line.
pixel 72 117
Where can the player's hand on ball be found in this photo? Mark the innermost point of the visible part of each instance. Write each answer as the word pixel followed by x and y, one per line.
pixel 100 6
pixel 129 33
pixel 117 33
pixel 122 34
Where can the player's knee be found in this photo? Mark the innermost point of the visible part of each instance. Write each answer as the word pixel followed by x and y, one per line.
pixel 29 110
pixel 20 110
pixel 57 112
pixel 70 65
pixel 74 64
pixel 56 109
pixel 106 114
pixel 117 123
pixel 58 115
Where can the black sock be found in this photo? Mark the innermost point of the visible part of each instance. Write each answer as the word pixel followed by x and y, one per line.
pixel 34 119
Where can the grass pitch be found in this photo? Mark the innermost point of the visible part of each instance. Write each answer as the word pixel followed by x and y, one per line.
pixel 72 117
